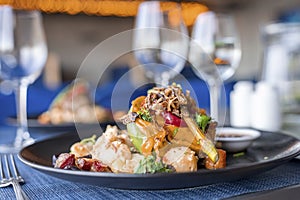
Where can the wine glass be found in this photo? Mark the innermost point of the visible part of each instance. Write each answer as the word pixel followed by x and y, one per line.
pixel 215 54
pixel 281 67
pixel 23 53
pixel 160 40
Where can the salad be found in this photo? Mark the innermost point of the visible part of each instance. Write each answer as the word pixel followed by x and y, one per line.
pixel 165 132
pixel 74 103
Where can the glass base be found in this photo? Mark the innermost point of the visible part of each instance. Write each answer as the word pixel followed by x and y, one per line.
pixel 13 148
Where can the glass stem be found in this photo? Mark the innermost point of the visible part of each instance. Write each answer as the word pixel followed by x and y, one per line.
pixel 165 82
pixel 215 98
pixel 162 80
pixel 21 105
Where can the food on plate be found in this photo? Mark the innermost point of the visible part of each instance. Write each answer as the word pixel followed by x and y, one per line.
pixel 165 132
pixel 74 104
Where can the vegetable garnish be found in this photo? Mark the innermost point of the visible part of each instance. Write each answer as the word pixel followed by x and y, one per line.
pixel 207 146
pixel 236 155
pixel 202 121
pixel 175 131
pixel 151 165
pixel 89 140
pixel 137 137
pixel 145 115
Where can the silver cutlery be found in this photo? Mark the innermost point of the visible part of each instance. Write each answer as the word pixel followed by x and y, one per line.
pixel 9 175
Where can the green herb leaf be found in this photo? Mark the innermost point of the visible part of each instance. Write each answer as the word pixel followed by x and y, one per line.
pixel 150 165
pixel 145 115
pixel 202 121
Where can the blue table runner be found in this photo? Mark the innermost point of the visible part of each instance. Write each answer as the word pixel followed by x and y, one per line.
pixel 41 186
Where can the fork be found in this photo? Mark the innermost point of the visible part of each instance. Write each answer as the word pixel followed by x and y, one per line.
pixel 9 175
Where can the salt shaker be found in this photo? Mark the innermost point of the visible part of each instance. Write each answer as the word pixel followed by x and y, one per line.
pixel 240 104
pixel 266 111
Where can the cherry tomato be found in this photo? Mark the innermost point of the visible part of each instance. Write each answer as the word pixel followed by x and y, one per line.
pixel 65 161
pixel 83 164
pixel 171 119
pixel 98 166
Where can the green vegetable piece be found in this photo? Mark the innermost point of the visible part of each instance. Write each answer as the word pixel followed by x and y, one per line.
pixel 150 165
pixel 137 137
pixel 202 121
pixel 236 155
pixel 89 140
pixel 175 132
pixel 145 115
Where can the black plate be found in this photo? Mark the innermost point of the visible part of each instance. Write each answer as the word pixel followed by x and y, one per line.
pixel 267 152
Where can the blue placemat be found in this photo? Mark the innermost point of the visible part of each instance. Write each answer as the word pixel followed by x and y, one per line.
pixel 40 186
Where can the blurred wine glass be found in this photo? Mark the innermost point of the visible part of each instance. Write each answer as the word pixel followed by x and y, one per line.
pixel 215 54
pixel 23 53
pixel 281 66
pixel 160 40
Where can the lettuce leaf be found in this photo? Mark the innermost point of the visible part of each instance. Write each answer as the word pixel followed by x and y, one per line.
pixel 150 165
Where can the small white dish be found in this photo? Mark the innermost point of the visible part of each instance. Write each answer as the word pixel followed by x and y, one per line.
pixel 235 140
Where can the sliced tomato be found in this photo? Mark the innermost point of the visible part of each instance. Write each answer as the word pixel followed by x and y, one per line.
pixel 171 119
